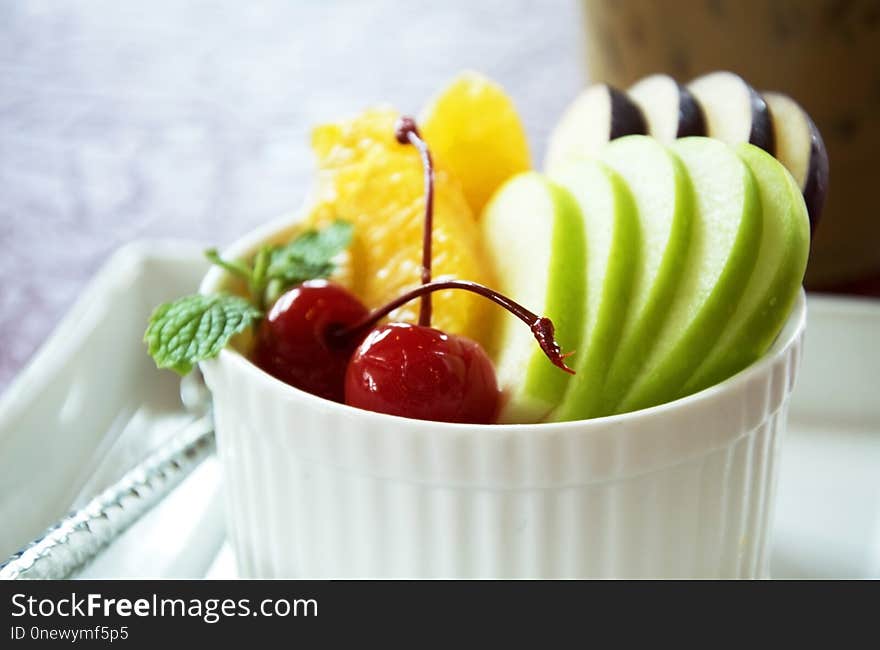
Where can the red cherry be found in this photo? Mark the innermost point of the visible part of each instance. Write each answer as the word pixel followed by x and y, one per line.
pixel 294 342
pixel 423 373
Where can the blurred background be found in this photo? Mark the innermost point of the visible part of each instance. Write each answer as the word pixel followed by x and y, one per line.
pixel 127 120
pixel 124 120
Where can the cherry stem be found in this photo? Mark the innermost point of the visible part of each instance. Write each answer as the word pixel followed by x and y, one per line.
pixel 407 132
pixel 542 328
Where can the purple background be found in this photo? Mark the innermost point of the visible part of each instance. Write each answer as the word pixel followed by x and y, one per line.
pixel 123 120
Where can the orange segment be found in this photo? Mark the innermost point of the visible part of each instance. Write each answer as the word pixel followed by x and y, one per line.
pixel 473 127
pixel 368 178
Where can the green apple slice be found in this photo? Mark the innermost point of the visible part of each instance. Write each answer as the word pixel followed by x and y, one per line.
pixel 534 235
pixel 776 280
pixel 727 233
pixel 659 186
pixel 612 240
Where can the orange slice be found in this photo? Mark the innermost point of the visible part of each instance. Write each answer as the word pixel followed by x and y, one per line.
pixel 473 127
pixel 367 178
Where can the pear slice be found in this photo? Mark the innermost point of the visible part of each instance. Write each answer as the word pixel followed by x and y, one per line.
pixel 776 280
pixel 659 186
pixel 727 230
pixel 534 236
pixel 612 239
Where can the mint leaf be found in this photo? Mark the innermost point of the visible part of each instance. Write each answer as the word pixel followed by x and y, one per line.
pixel 194 328
pixel 326 243
pixel 309 255
pixel 274 269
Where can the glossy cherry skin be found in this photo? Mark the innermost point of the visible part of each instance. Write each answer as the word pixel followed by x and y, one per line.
pixel 420 372
pixel 294 342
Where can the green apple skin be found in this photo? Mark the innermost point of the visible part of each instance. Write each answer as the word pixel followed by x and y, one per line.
pixel 728 224
pixel 612 253
pixel 534 235
pixel 776 280
pixel 664 203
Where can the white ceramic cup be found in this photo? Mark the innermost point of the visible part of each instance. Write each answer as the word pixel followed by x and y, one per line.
pixel 316 489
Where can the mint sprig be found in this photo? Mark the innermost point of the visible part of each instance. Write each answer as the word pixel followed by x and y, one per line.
pixel 274 269
pixel 197 327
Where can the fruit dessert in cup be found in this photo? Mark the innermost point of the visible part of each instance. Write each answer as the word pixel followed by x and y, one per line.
pixel 450 365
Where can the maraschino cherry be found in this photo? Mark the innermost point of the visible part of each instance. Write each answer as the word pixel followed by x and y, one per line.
pixel 420 372
pixel 320 338
pixel 294 342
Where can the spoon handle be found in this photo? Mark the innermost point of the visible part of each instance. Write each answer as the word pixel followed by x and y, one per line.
pixel 70 544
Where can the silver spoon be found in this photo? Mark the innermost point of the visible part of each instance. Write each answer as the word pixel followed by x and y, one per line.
pixel 70 544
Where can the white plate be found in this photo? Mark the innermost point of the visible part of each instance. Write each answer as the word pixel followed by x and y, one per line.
pixel 91 403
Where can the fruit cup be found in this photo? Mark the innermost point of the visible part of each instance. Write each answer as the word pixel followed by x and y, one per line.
pixel 316 489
